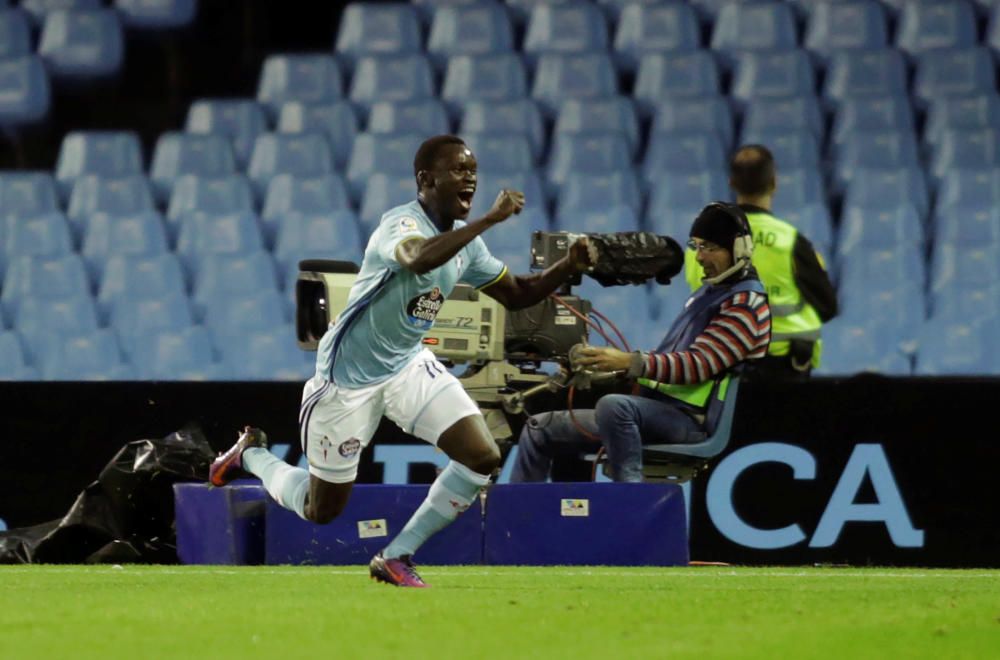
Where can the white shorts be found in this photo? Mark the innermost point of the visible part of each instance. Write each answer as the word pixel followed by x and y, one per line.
pixel 336 423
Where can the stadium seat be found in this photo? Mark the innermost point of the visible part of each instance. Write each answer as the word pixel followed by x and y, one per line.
pixel 109 154
pixel 234 233
pixel 594 153
pixel 974 111
pixel 491 79
pixel 764 115
pixel 534 216
pixel 874 150
pixel 156 14
pixel 681 153
pixel 92 195
pixel 501 153
pixel 975 149
pixel 955 72
pixel 25 94
pixel 300 154
pixel 857 346
pixel 424 116
pixel 473 29
pixel 46 235
pixel 935 24
pixel 27 193
pixel 885 189
pixel 288 195
pixel 514 237
pixel 14 359
pixel 561 77
pixel 181 355
pixel 82 44
pixel 791 148
pixel 218 275
pixel 772 75
pixel 564 29
pixel 971 302
pixel 383 192
pixel 231 316
pixel 870 113
pixel 140 234
pixel 389 154
pixel 601 219
pixel 43 323
pixel 978 189
pixel 612 113
pixel 137 319
pixel 649 28
pixel 42 278
pixel 271 355
pixel 812 219
pixel 369 28
pixel 336 120
pixel 967 226
pixel 862 266
pixel 37 10
pixel 662 78
pixel 132 279
pixel 852 25
pixel 964 264
pixel 88 356
pixel 193 195
pixel 238 120
pixel 752 26
pixel 15 34
pixel 177 154
pixel 864 73
pixel 898 305
pixel 708 113
pixel 332 235
pixel 514 116
pixel 798 186
pixel 950 346
pixel 310 79
pixel 862 227
pixel 582 194
pixel 992 37
pixel 391 78
pixel 675 201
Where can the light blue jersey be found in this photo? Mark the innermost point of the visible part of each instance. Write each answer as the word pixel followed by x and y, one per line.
pixel 390 309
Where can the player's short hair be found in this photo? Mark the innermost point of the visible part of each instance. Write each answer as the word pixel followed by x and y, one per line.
pixel 429 150
pixel 752 170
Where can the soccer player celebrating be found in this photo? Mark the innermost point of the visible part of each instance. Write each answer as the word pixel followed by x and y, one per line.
pixel 371 362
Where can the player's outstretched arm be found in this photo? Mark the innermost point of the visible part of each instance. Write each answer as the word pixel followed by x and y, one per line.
pixel 424 255
pixel 520 291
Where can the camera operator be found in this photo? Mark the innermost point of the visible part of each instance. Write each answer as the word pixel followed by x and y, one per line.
pixel 799 290
pixel 725 323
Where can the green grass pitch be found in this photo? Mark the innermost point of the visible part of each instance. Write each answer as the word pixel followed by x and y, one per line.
pixel 497 612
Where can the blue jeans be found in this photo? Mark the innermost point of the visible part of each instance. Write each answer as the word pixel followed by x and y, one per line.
pixel 623 423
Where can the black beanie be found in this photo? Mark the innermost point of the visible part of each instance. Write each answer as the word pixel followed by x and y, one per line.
pixel 716 225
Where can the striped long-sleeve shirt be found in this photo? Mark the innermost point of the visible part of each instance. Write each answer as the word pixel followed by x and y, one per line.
pixel 740 331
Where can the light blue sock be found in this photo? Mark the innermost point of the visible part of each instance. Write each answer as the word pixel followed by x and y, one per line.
pixel 450 494
pixel 287 485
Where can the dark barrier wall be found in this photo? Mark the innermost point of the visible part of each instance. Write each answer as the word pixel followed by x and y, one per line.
pixel 866 470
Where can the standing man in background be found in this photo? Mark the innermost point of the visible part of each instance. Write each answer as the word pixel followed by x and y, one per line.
pixel 799 290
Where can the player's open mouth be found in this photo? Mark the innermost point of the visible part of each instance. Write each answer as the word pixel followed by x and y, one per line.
pixel 465 198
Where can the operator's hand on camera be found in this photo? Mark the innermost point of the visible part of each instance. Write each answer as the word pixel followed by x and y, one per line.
pixel 604 358
pixel 582 255
pixel 508 202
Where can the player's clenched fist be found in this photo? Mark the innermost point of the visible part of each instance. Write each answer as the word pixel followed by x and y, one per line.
pixel 508 202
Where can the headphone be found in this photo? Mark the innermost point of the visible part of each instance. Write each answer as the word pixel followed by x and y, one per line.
pixel 742 242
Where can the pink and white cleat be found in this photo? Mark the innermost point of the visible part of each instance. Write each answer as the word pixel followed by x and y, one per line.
pixel 227 466
pixel 397 572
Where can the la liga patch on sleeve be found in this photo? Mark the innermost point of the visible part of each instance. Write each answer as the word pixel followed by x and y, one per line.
pixel 407 225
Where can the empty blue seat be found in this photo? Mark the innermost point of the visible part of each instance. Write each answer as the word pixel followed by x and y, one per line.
pixel 992 37
pixel 238 120
pixel 43 323
pixel 888 189
pixel 231 316
pixel 368 28
pixel 94 195
pixel 473 29
pixel 975 149
pixel 681 153
pixel 964 264
pixel 43 278
pixel 156 14
pixel 967 226
pixel 588 192
pixel 563 29
pixel 978 189
pixel 229 234
pixel 182 355
pixel 389 154
pixel 26 193
pixel 488 78
pixel 513 116
pixel 708 113
pixel 612 113
pixel 797 186
pixel 137 320
pixel 177 154
pixel 391 78
pixel 15 34
pixel 962 112
pixel 561 77
pixel 793 113
pixel 271 355
pixel 82 43
pixel 383 192
pixel 857 346
pixel 661 78
pixel 865 73
pixel 87 356
pixel 140 234
pixel 46 235
pixel 132 279
pixel 897 304
pixel 288 195
pixel 871 113
pixel 654 28
pixel 812 219
pixel 305 78
pixel 14 363
pixel 603 220
pixel 215 196
pixel 594 153
pixel 772 75
pixel 423 116
pixel 949 346
pixel 218 275
pixel 336 120
pixel 790 148
pixel 300 154
pixel 534 214
pixel 331 235
pixel 954 72
pixel 37 10
pixel 501 152
pixel 753 26
pixel 25 93
pixel 852 25
pixel 862 227
pixel 970 302
pixel 857 270
pixel 675 200
pixel 109 154
pixel 874 150
pixel 935 24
